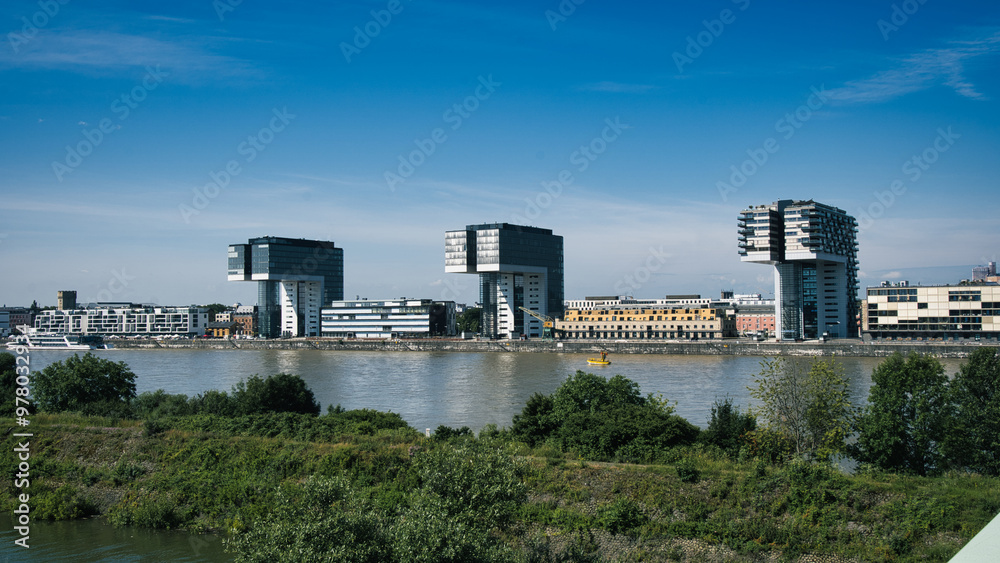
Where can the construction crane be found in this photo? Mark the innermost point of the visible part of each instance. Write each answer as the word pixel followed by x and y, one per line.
pixel 548 323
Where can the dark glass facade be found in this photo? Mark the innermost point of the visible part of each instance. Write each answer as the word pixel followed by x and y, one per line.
pixel 496 249
pixel 271 260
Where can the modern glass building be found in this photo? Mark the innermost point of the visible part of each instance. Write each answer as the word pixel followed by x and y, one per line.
pixel 518 267
pixel 814 250
pixel 295 277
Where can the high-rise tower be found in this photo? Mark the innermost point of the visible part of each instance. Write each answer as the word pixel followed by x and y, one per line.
pixel 295 277
pixel 814 250
pixel 518 267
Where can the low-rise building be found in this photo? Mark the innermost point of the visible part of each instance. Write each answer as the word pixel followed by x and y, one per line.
pixel 124 320
pixel 646 322
pixel 17 316
pixel 755 320
pixel 389 318
pixel 221 329
pixel 245 317
pixel 939 312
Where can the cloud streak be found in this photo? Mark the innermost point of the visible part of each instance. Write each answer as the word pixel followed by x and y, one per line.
pixel 90 51
pixel 926 69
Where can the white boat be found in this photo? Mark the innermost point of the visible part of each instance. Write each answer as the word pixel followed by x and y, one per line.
pixel 34 340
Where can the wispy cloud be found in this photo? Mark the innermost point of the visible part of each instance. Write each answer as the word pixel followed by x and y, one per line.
pixel 932 67
pixel 96 51
pixel 618 87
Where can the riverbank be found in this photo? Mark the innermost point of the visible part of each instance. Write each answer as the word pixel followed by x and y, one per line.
pixel 215 475
pixel 850 348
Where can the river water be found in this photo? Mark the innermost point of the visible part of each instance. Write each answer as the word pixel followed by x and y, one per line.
pixel 426 388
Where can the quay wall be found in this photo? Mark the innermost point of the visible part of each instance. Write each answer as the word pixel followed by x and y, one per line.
pixel 704 348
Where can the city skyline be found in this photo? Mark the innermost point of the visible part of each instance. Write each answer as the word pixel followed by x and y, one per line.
pixel 138 141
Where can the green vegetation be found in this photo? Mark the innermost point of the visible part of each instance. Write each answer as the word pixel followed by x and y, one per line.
pixel 90 385
pixel 362 485
pixel 468 320
pixel 602 419
pixel 810 410
pixel 974 433
pixel 904 426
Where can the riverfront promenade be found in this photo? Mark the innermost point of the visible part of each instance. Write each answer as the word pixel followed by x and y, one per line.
pixel 703 348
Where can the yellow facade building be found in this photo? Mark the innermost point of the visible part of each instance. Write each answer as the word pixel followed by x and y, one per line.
pixel 645 323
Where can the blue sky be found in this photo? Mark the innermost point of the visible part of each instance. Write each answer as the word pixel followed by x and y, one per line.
pixel 140 139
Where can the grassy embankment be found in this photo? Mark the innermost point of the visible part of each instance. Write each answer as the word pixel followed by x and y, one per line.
pixel 214 474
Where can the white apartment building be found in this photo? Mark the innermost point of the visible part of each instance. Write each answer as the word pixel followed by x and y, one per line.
pixel 134 320
pixel 389 318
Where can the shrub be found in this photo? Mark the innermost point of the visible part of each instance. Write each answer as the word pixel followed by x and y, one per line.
pixel 622 516
pixel 278 393
pixel 76 383
pixel 727 426
pixel 600 418
pixel 687 471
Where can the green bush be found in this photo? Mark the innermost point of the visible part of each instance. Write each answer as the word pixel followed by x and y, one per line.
pixel 146 510
pixel 278 393
pixel 727 426
pixel 64 503
pixel 99 386
pixel 603 419
pixel 687 471
pixel 623 516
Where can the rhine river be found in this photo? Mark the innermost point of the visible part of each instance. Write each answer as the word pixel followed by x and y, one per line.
pixel 427 388
pixel 453 388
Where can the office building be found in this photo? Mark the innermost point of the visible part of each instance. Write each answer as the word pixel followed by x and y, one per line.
pixel 813 248
pixel 939 312
pixel 124 319
pixel 295 278
pixel 390 318
pixel 636 321
pixel 518 267
pixel 66 300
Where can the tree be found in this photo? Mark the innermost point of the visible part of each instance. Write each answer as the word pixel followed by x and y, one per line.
pixel 468 321
pixel 214 308
pixel 811 409
pixel 278 393
pixel 8 383
pixel 603 418
pixel 728 425
pixel 973 439
pixel 903 426
pixel 90 384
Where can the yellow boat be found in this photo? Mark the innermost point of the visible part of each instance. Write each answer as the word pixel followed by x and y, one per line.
pixel 602 361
